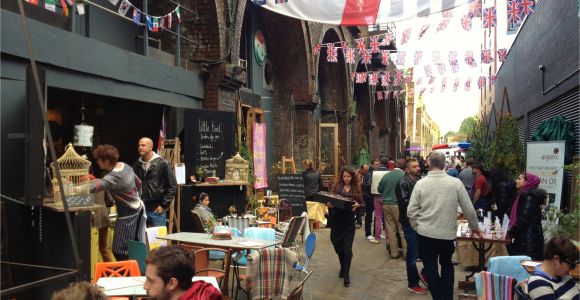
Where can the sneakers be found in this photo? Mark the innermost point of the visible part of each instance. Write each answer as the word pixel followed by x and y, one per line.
pixel 419 290
pixel 358 226
pixel 423 279
pixel 370 237
pixel 372 240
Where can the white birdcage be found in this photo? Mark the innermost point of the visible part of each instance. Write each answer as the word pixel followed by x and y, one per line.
pixel 74 171
pixel 237 168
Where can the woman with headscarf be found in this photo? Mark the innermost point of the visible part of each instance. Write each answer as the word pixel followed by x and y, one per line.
pixel 503 191
pixel 342 222
pixel 201 207
pixel 525 225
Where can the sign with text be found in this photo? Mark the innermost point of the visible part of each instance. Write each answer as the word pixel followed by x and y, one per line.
pixel 260 168
pixel 291 188
pixel 209 140
pixel 546 160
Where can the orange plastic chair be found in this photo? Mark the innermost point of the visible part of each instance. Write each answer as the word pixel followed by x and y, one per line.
pixel 126 268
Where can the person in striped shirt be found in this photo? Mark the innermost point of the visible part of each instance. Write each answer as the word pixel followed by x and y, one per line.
pixel 551 280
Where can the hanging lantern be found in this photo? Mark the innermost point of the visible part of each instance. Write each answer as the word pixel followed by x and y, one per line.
pixel 83 134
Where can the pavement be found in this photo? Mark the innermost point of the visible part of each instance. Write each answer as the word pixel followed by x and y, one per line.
pixel 373 275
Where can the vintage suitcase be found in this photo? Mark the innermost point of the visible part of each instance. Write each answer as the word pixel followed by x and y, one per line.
pixel 336 200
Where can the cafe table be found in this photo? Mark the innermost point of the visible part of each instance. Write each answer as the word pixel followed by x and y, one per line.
pixel 204 240
pixel 133 286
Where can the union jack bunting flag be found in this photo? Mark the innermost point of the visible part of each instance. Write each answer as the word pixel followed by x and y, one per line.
pixel 526 7
pixel 501 54
pixel 316 49
pixel 417 57
pixel 427 71
pixel 455 68
pixel 349 55
pixel 396 82
pixel 432 89
pixel 395 94
pixel 468 84
pixel 453 58
pixel 513 11
pixel 481 82
pixel 406 36
pixel 456 84
pixel 399 75
pixel 431 80
pixel 489 17
pixel 466 22
pixel 486 56
pixel 361 77
pixel 360 44
pixel 469 58
pixel 436 55
pixel 389 37
pixel 419 80
pixel 352 75
pixel 441 68
pixel 385 56
pixel 281 1
pixel 422 91
pixel 380 95
pixel 366 56
pixel 373 78
pixel 443 84
pixel 374 44
pixel 422 31
pixel 401 58
pixel 476 9
pixel 343 45
pixel 385 80
pixel 492 79
pixel 331 53
pixel 442 25
pixel 408 79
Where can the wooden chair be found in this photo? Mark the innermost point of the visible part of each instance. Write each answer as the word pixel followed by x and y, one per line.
pixel 197 223
pixel 296 293
pixel 221 274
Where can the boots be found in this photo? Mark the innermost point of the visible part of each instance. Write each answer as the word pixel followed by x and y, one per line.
pixel 347 261
pixel 341 259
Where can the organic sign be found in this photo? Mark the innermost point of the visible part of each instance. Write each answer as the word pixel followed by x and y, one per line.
pixel 546 160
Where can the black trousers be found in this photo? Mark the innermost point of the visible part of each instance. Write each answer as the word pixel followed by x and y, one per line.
pixel 370 209
pixel 431 251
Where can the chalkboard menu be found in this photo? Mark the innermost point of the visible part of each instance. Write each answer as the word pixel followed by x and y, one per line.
pixel 291 188
pixel 209 140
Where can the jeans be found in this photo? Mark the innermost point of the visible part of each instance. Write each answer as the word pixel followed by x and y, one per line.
pixel 358 216
pixel 431 250
pixel 154 219
pixel 370 208
pixel 378 204
pixel 412 256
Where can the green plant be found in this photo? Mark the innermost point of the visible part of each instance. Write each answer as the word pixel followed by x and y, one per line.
pixel 506 149
pixel 253 203
pixel 558 222
pixel 245 153
pixel 480 147
pixel 363 156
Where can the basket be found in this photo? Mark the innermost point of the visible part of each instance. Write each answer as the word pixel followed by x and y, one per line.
pixel 237 168
pixel 74 171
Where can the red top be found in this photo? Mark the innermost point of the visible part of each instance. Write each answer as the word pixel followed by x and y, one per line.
pixel 481 183
pixel 201 290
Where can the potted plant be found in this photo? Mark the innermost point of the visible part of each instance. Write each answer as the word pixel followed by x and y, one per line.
pixel 232 210
pixel 199 174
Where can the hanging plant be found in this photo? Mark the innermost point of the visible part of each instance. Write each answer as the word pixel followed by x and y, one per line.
pixel 480 147
pixel 363 156
pixel 507 150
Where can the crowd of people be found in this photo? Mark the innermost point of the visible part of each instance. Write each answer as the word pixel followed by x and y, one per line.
pixel 416 204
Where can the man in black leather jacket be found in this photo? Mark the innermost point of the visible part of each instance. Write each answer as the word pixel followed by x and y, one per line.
pixel 403 190
pixel 158 181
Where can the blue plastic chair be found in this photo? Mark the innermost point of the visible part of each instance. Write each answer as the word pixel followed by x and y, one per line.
pixel 309 249
pixel 241 259
pixel 217 255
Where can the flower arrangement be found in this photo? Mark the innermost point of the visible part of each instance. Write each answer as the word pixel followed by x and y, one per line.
pixel 232 209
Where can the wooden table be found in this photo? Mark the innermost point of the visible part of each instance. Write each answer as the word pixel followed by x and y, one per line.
pixel 133 286
pixel 203 240
pixel 479 245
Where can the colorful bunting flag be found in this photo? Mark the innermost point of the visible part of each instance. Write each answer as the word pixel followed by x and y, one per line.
pixel 526 7
pixel 442 25
pixel 456 84
pixel 513 12
pixel 385 56
pixel 149 23
pixel 469 58
pixel 419 80
pixel 441 68
pixel 406 36
pixel 389 38
pixel 443 84
pixel 178 14
pixel 481 82
pixel 489 17
pixel 361 77
pixel 124 7
pixel 50 5
pixel 385 79
pixel 373 78
pixel 155 24
pixel 417 57
pixel 427 70
pixel 162 23
pixel 360 45
pixel 136 16
pixel 35 2
pixel 315 49
pixel 379 95
pixel 486 56
pixel 432 80
pixel 501 54
pixel 170 17
pixel 468 84
pixel 401 58
pixel 466 22
pixel 64 6
pixel 492 79
pixel 476 9
pixel 331 53
pixel 436 56
pixel 422 31
pixel 352 75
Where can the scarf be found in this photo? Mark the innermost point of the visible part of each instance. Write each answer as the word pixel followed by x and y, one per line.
pixel 532 183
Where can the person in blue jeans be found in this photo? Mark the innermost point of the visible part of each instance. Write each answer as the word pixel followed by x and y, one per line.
pixel 403 191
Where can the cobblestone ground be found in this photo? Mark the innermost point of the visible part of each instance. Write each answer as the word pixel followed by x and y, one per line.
pixel 374 275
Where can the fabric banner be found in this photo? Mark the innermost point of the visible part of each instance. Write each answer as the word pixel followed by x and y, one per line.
pixel 356 12
pixel 546 160
pixel 259 148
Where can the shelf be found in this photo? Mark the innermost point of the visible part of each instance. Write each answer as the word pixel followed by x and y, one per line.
pixel 219 183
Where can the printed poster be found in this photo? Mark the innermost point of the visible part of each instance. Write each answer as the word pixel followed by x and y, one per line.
pixel 259 148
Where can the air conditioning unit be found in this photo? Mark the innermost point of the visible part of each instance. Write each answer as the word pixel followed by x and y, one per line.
pixel 243 63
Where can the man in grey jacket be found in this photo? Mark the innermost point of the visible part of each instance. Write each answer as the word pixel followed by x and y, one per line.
pixel 432 212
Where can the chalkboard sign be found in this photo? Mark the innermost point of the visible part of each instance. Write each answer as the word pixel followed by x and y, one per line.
pixel 209 140
pixel 291 188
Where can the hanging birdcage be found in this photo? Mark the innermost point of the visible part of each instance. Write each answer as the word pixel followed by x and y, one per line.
pixel 74 171
pixel 237 168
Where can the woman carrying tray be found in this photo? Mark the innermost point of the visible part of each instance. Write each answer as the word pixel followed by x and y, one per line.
pixel 342 222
